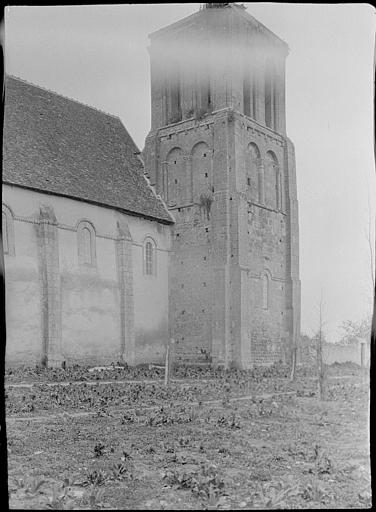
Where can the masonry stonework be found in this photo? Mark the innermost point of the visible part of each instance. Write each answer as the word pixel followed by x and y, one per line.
pixel 218 155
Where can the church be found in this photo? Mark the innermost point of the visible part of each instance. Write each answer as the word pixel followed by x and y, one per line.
pixel 110 252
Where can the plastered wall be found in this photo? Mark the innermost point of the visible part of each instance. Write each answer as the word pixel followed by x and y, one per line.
pixel 60 308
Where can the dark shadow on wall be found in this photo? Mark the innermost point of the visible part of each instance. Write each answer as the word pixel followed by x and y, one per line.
pixel 150 345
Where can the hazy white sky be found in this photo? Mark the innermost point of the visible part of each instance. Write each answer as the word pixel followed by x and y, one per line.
pixel 98 55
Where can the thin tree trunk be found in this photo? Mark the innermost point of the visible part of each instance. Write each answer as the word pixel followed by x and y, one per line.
pixel 294 354
pixel 167 365
pixel 320 369
pixel 168 361
pixel 293 368
pixel 320 364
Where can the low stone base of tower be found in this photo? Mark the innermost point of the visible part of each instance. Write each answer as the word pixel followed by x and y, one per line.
pixel 55 362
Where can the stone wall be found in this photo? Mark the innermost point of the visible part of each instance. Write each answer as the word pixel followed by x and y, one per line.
pixel 227 238
pixel 335 353
pixel 223 150
pixel 65 305
pixel 263 197
pixel 185 179
pixel 332 352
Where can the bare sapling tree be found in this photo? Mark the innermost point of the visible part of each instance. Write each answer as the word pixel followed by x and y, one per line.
pixel 168 361
pixel 294 351
pixel 370 236
pixel 321 373
pixel 371 239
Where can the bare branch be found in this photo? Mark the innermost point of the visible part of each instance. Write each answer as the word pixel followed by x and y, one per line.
pixel 371 245
pixel 319 341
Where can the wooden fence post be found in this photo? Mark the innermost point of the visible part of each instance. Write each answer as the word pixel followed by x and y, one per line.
pixel 168 361
pixel 293 368
pixel 294 352
pixel 321 369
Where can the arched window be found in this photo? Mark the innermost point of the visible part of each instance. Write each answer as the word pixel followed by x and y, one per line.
pixel 247 108
pixel 86 244
pixel 176 179
pixel 249 89
pixel 272 181
pixel 254 178
pixel 254 95
pixel 7 231
pixel 278 189
pixel 150 257
pixel 202 171
pixel 172 94
pixel 203 98
pixel 269 93
pixel 265 291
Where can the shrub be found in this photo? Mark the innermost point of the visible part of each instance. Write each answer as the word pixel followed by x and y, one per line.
pixel 204 482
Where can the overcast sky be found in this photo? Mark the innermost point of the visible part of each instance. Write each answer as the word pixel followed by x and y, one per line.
pixel 98 55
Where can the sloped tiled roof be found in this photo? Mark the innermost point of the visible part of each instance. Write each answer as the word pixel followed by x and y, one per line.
pixel 58 145
pixel 225 10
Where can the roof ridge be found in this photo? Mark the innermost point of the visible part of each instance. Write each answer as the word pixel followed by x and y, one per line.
pixel 173 24
pixel 260 24
pixel 158 197
pixel 62 96
pixel 240 8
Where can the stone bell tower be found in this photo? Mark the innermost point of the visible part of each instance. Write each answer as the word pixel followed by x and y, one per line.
pixel 219 156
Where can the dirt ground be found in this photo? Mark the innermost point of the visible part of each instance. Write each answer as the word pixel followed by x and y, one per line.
pixel 119 439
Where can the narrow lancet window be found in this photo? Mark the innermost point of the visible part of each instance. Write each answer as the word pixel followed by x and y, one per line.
pixel 5 234
pixel 173 100
pixel 7 231
pixel 272 181
pixel 150 257
pixel 246 94
pixel 86 244
pixel 269 94
pixel 203 99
